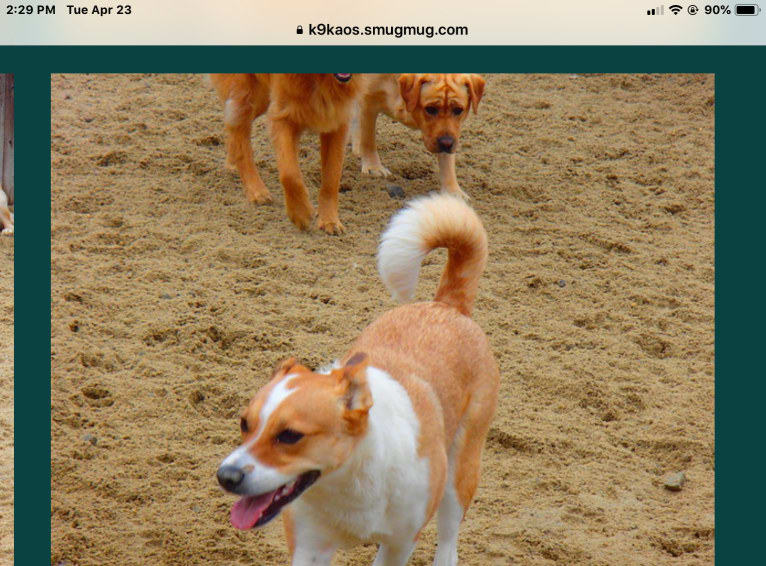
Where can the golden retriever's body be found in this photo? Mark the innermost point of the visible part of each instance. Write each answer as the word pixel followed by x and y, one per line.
pixel 435 104
pixel 293 103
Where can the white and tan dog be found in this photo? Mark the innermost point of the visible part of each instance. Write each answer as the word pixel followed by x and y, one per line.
pixel 370 449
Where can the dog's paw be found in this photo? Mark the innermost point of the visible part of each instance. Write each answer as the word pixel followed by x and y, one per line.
pixel 373 167
pixel 301 215
pixel 456 191
pixel 260 198
pixel 258 195
pixel 331 226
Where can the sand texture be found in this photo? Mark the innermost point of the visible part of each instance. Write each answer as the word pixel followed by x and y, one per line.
pixel 6 399
pixel 173 299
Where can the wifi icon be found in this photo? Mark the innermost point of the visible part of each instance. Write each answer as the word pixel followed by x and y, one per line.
pixel 675 8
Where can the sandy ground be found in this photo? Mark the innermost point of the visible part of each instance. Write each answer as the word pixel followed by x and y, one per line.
pixel 6 399
pixel 173 299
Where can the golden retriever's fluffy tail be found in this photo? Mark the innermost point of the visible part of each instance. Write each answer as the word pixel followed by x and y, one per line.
pixel 436 221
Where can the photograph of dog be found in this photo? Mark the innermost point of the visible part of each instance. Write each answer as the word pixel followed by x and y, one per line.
pixel 7 322
pixel 6 216
pixel 394 432
pixel 7 363
pixel 435 104
pixel 527 396
pixel 6 152
pixel 293 103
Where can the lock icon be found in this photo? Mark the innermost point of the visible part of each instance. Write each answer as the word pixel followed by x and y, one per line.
pixel 299 31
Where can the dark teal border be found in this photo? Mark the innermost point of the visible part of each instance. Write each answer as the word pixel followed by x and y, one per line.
pixel 480 59
pixel 32 328
pixel 740 153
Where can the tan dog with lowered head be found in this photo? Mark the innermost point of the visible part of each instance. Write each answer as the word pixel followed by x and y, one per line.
pixel 436 104
pixel 368 450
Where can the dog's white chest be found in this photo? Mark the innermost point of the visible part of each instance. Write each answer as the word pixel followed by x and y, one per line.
pixel 384 487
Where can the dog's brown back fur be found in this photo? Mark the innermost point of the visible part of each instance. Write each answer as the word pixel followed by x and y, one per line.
pixel 314 101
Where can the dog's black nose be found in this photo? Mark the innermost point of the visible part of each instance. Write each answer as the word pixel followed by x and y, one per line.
pixel 230 477
pixel 446 143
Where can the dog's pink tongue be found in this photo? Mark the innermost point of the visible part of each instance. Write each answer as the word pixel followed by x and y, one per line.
pixel 246 512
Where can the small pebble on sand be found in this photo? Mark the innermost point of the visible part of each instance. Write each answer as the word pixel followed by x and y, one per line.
pixel 674 482
pixel 395 191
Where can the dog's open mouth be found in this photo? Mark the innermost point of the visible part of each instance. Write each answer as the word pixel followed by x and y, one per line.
pixel 342 77
pixel 257 510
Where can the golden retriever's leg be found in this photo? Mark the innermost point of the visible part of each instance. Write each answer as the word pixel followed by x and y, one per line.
pixel 368 151
pixel 285 136
pixel 241 108
pixel 447 175
pixel 332 152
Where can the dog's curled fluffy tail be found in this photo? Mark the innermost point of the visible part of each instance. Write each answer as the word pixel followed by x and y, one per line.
pixel 436 221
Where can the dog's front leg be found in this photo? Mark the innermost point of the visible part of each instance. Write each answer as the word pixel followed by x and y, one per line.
pixel 394 555
pixel 332 153
pixel 309 544
pixel 312 557
pixel 367 147
pixel 447 175
pixel 285 137
pixel 355 130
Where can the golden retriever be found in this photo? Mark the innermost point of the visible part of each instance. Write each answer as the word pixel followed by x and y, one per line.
pixel 292 103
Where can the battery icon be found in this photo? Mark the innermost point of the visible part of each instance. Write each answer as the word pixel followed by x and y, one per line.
pixel 747 9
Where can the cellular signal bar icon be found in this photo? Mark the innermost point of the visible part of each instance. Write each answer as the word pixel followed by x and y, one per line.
pixel 658 11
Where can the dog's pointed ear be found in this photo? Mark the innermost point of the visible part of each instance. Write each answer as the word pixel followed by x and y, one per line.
pixel 354 393
pixel 285 366
pixel 409 88
pixel 475 84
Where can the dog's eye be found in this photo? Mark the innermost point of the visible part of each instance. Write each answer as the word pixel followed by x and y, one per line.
pixel 243 425
pixel 289 436
pixel 457 111
pixel 432 110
